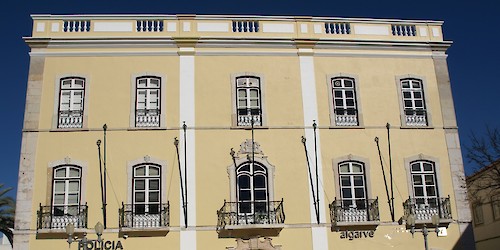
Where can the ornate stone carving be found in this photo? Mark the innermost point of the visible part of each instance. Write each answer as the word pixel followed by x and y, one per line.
pixel 246 147
pixel 254 244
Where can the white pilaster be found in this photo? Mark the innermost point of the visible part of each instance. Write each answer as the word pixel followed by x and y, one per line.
pixel 310 109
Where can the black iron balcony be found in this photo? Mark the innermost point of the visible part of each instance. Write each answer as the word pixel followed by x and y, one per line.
pixel 424 208
pixel 70 119
pixel 147 118
pixel 346 117
pixel 250 218
pixel 148 218
pixel 57 217
pixel 416 117
pixel 358 213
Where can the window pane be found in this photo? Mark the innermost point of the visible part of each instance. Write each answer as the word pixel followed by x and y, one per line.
pixel 347 83
pixel 244 195
pixel 73 199
pixel 415 167
pixel 406 95
pixel 405 84
pixel 140 197
pixel 345 181
pixel 338 93
pixel 417 180
pixel 344 168
pixel 419 104
pixel 242 93
pixel 260 195
pixel 359 192
pixel 339 102
pixel 431 191
pixel 408 104
pixel 154 185
pixel 350 102
pixel 154 197
pixel 358 181
pixel 417 94
pixel 59 199
pixel 337 83
pixel 429 179
pixel 140 171
pixel 356 168
pixel 140 209
pixel 153 209
pixel 245 168
pixel 74 186
pixel 254 103
pixel 142 83
pixel 244 181
pixel 419 191
pixel 245 207
pixel 154 171
pixel 428 167
pixel 349 94
pixel 155 83
pixel 242 103
pixel 59 186
pixel 74 172
pixel 346 193
pixel 415 85
pixel 259 181
pixel 254 93
pixel 61 172
pixel 140 185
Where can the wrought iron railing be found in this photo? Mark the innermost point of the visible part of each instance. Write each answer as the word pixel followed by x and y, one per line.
pixel 57 217
pixel 346 117
pixel 250 212
pixel 147 118
pixel 425 208
pixel 361 211
pixel 144 216
pixel 70 119
pixel 416 117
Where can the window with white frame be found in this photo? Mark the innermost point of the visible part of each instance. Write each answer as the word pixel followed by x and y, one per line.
pixel 425 189
pixel 252 188
pixel 146 189
pixel 71 102
pixel 66 190
pixel 345 107
pixel 248 101
pixel 352 184
pixel 147 103
pixel 414 108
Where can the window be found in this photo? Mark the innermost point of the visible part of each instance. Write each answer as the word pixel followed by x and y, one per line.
pixel 146 189
pixel 66 190
pixel 248 101
pixel 352 185
pixel 495 204
pixel 147 103
pixel 414 108
pixel 252 188
pixel 344 105
pixel 478 214
pixel 71 102
pixel 423 176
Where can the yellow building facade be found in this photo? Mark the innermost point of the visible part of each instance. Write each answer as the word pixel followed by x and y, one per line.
pixel 239 132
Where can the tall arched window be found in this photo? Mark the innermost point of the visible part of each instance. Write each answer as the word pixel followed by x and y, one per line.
pixel 423 176
pixel 146 189
pixel 252 188
pixel 71 102
pixel 345 106
pixel 415 110
pixel 353 185
pixel 66 190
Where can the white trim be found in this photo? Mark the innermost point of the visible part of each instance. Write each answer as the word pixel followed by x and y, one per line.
pixel 278 28
pixel 310 109
pixel 113 26
pixel 213 27
pixel 187 114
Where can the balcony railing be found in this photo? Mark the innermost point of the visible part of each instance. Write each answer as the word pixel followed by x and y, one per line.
pixel 424 208
pixel 246 120
pixel 343 211
pixel 147 118
pixel 346 117
pixel 136 216
pixel 416 117
pixel 57 217
pixel 231 213
pixel 70 119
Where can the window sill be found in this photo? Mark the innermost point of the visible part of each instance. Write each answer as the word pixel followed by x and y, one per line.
pixel 146 128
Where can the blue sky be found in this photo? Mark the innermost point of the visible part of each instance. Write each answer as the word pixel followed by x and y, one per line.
pixel 473 57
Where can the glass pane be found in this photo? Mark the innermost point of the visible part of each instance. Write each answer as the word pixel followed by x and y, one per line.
pixel 140 171
pixel 259 181
pixel 140 197
pixel 59 187
pixel 154 196
pixel 415 85
pixel 338 93
pixel 58 211
pixel 359 193
pixel 417 94
pixel 245 168
pixel 344 168
pixel 155 83
pixel 419 191
pixel 142 83
pixel 254 93
pixel 258 168
pixel 242 103
pixel 337 83
pixel 73 199
pixel 61 172
pixel 140 209
pixel 349 94
pixel 429 179
pixel 245 207
pixel 347 203
pixel 140 185
pixel 428 167
pixel 406 95
pixel 154 185
pixel 244 195
pixel 431 191
pixel 260 207
pixel 360 204
pixel 339 102
pixel 357 168
pixel 419 104
pixel 74 172
pixel 346 193
pixel 417 180
pixel 244 181
pixel 254 103
pixel 59 199
pixel 415 167
pixel 260 195
pixel 242 93
pixel 358 181
pixel 74 186
pixel 405 84
pixel 350 102
pixel 66 83
pixel 348 83
pixel 154 171
pixel 345 181
pixel 408 104
pixel 154 209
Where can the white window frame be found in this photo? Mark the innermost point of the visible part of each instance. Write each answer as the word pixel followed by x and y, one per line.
pixel 251 173
pixel 67 161
pixel 413 121
pixel 422 174
pixel 78 117
pixel 66 183
pixel 351 175
pixel 146 160
pixel 235 99
pixel 147 178
pixel 149 122
pixel 352 158
pixel 337 83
